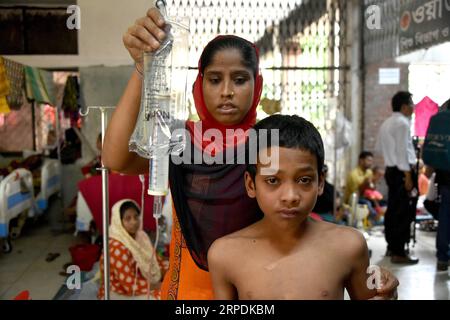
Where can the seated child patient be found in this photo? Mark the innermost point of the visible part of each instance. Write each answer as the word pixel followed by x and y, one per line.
pixel 287 255
pixel 374 196
pixel 133 263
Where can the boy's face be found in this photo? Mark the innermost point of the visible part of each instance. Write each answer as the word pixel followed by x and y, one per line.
pixel 291 192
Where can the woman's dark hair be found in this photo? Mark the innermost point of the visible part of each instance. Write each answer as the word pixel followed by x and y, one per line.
pixel 246 48
pixel 128 205
pixel 294 133
pixel 399 99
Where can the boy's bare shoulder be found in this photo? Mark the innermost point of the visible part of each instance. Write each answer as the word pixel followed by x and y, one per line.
pixel 233 243
pixel 246 233
pixel 342 238
pixel 337 229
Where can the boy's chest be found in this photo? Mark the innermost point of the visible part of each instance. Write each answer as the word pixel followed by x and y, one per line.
pixel 298 276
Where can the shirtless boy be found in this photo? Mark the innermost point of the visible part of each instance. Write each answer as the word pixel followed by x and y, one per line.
pixel 287 255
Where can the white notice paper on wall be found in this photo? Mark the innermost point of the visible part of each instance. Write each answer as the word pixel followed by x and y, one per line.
pixel 389 76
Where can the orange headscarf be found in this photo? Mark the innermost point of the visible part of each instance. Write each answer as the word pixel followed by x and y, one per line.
pixel 208 121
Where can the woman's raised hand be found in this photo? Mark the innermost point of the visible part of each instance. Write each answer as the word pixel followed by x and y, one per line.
pixel 145 34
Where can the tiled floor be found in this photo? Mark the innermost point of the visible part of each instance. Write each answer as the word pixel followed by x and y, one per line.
pixel 420 281
pixel 26 269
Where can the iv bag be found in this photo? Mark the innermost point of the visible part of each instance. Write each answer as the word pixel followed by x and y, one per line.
pixel 163 102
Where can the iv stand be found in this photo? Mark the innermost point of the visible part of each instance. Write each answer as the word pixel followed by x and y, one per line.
pixel 105 202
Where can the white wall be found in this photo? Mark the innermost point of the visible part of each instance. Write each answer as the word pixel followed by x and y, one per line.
pixel 103 23
pixel 436 85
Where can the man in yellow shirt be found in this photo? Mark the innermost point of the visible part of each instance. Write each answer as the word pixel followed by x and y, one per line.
pixel 360 177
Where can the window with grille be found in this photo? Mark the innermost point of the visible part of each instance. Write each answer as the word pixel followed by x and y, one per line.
pixel 301 44
pixel 36 30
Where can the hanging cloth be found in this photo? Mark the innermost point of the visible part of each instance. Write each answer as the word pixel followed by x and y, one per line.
pixel 15 74
pixel 4 89
pixel 49 84
pixel 424 110
pixel 4 108
pixel 71 95
pixel 35 87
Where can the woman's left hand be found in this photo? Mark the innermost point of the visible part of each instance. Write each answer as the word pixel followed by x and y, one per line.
pixel 389 284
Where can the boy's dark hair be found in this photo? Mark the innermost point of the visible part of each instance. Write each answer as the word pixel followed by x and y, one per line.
pixel 128 205
pixel 294 133
pixel 365 154
pixel 399 99
pixel 246 48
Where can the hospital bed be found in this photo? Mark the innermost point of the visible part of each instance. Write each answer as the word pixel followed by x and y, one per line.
pixel 16 198
pixel 50 183
pixel 20 198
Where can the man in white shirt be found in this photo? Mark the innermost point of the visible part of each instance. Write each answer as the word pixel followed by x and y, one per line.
pixel 395 143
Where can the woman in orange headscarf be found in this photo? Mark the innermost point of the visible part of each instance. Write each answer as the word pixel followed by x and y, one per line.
pixel 134 268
